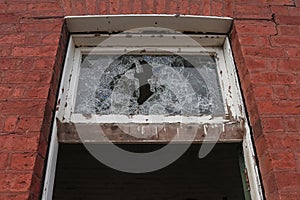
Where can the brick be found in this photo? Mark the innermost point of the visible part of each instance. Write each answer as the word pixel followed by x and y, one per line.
pixel 114 6
pixel 10 123
pixel 29 124
pixel 23 108
pixel 125 7
pixel 256 63
pixel 103 7
pixel 16 196
pixel 282 10
pixel 39 166
pixel 195 7
pixel 22 161
pixel 5 92
pixel 79 7
pixel 8 18
pixel 40 7
pixel 34 51
pixel 280 92
pixel 252 40
pixel 255 123
pixel 67 6
pixel 10 63
pixel 261 145
pixel 252 11
pixel 5 51
pixel 265 52
pixel 43 146
pixel 278 2
pixel 297 155
pixel 273 78
pixel 12 39
pixel 172 7
pixel 17 7
pixel 287 179
pixel 228 8
pixel 15 182
pixel 280 141
pixel 27 64
pixel 285 41
pixel 273 196
pixel 148 6
pixel 206 7
pixel 294 92
pixel 265 164
pixel 270 183
pixel 3 7
pixel 293 52
pixel 52 99
pixel 290 65
pixel 2 120
pixel 250 27
pixel 37 92
pixel 3 160
pixel 288 30
pixel 294 11
pixel 274 124
pixel 217 8
pixel 288 20
pixel 292 124
pixel 278 107
pixel 18 92
pixel 283 161
pixel 91 6
pixel 25 143
pixel 44 76
pixel 33 38
pixel 44 63
pixel 9 28
pixel 47 26
pixel 263 92
pixel 36 186
pixel 290 195
pixel 252 109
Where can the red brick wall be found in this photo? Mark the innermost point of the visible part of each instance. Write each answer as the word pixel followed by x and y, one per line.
pixel 266 45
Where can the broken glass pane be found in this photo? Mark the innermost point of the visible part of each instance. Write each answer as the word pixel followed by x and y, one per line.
pixel 149 84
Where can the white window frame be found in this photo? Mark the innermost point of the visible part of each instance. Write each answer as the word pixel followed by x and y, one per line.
pixel 68 114
pixel 233 105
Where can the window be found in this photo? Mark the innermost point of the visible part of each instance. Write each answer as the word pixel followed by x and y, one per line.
pixel 143 84
pixel 148 86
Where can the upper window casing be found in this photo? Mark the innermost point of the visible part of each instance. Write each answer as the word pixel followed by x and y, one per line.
pixel 220 82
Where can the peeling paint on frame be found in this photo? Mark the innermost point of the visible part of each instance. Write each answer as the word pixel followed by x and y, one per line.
pixel 234 109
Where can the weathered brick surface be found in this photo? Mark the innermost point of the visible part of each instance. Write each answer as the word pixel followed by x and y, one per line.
pixel 265 42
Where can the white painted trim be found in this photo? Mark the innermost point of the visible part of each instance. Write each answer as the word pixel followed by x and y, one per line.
pixel 51 166
pixel 73 84
pixel 118 23
pixel 69 115
pixel 53 147
pixel 248 151
pixel 170 39
pixel 153 119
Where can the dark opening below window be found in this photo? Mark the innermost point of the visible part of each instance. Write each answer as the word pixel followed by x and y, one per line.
pixel 216 177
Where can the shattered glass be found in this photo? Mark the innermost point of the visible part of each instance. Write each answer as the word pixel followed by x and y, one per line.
pixel 149 84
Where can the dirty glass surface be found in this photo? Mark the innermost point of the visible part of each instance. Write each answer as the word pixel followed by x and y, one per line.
pixel 149 84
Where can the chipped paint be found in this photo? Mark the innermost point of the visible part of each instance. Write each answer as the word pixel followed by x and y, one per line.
pixel 153 133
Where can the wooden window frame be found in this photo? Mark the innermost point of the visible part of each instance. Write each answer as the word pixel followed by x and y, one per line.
pixel 234 120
